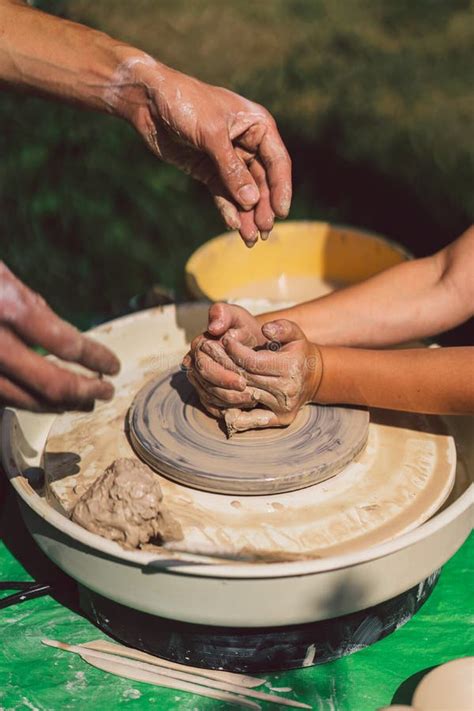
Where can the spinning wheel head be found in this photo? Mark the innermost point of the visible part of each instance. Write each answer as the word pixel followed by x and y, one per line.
pixel 171 432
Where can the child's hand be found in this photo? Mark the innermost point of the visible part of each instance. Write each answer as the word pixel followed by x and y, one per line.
pixel 282 378
pixel 207 355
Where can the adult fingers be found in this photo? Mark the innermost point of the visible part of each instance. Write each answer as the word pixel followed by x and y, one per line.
pixel 248 229
pixel 42 327
pixel 282 331
pixel 204 169
pixel 228 211
pixel 13 395
pixel 249 143
pixel 223 202
pixel 35 322
pixel 264 216
pixel 92 355
pixel 231 212
pixel 277 163
pixel 236 219
pixel 248 132
pixel 234 174
pixel 47 381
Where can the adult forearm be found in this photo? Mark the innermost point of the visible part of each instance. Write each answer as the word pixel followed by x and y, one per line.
pixel 66 60
pixel 209 132
pixel 416 380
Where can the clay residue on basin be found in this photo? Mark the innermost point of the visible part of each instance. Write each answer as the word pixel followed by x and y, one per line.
pixel 125 504
pixel 398 481
pixel 171 432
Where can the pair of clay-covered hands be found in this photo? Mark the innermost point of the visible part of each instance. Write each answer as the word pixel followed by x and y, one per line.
pixel 252 375
pixel 227 142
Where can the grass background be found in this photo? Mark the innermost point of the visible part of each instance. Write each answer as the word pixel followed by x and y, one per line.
pixel 374 100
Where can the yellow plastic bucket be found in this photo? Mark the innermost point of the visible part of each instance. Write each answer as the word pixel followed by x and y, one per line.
pixel 337 254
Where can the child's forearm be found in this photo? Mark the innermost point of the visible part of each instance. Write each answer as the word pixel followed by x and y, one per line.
pixel 411 300
pixel 395 306
pixel 436 380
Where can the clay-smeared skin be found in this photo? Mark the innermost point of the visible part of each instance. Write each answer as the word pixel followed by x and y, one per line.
pixel 411 300
pixel 234 381
pixel 222 139
pixel 126 505
pixel 207 351
pixel 281 381
pixel 230 144
pixel 394 484
pixel 27 380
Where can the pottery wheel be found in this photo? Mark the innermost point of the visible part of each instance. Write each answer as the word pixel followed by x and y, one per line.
pixel 171 432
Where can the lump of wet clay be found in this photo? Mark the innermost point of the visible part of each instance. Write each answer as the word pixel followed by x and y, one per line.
pixel 241 420
pixel 125 504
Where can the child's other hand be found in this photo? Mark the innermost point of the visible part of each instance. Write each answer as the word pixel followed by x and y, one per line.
pixel 207 357
pixel 279 380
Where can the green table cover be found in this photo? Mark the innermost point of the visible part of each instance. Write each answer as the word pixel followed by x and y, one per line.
pixel 36 677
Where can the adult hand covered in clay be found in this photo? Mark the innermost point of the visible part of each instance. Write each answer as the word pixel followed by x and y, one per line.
pixel 281 380
pixel 227 142
pixel 29 381
pixel 220 138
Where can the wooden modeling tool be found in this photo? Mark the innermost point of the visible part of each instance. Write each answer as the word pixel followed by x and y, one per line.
pixel 171 678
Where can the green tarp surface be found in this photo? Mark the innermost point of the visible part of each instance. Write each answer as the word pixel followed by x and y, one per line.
pixel 36 677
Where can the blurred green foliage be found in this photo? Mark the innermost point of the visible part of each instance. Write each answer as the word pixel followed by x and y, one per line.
pixel 374 100
pixel 89 218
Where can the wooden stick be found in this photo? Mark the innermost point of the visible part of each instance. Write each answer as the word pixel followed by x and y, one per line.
pixel 102 645
pixel 124 670
pixel 192 679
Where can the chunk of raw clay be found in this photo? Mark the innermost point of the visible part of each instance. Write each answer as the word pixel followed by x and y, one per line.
pixel 125 504
pixel 241 420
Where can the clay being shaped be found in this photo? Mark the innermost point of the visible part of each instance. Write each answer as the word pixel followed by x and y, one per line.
pixel 171 432
pixel 125 504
